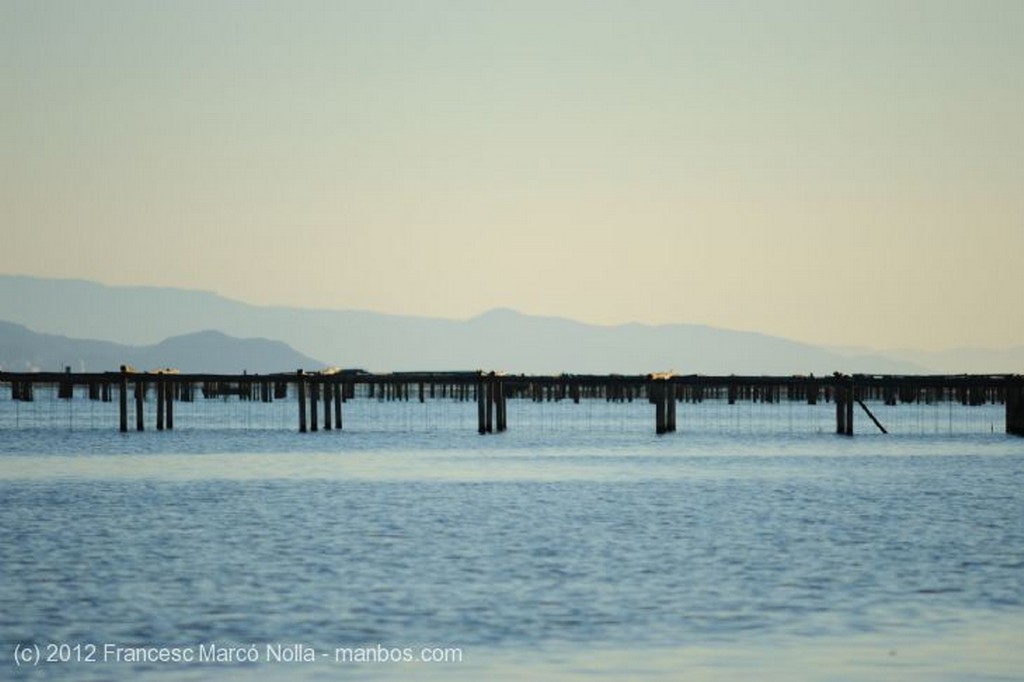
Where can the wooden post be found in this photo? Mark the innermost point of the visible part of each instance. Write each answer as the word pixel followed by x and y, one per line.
pixel 160 396
pixel 169 404
pixel 337 405
pixel 870 414
pixel 140 391
pixel 1015 407
pixel 850 394
pixel 480 409
pixel 314 396
pixel 500 400
pixel 843 396
pixel 656 392
pixel 124 399
pixel 66 389
pixel 328 395
pixel 837 396
pixel 670 407
pixel 489 392
pixel 300 385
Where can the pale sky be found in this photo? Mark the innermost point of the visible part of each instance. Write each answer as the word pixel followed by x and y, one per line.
pixel 835 172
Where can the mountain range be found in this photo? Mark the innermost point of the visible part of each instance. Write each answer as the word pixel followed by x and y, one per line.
pixel 22 350
pixel 153 322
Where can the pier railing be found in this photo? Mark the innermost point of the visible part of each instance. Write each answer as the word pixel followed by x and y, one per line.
pixel 321 395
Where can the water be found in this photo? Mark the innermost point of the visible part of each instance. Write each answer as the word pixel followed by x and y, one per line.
pixel 753 543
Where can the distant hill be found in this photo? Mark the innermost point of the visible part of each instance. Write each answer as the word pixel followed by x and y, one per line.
pixel 23 350
pixel 968 360
pixel 499 339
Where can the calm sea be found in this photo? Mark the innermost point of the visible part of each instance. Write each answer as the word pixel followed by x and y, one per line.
pixel 753 543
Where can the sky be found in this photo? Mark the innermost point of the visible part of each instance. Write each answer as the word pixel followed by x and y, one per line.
pixel 846 173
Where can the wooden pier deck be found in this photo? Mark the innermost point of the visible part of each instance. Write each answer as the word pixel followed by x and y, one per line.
pixel 319 396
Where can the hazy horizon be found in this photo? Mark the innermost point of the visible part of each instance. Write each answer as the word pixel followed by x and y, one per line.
pixel 909 354
pixel 843 174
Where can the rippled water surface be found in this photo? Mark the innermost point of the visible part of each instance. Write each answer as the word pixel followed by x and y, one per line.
pixel 576 546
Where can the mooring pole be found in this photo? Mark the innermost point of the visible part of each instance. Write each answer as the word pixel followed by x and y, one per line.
pixel 1015 407
pixel 300 385
pixel 140 392
pixel 481 410
pixel 499 396
pixel 314 395
pixel 172 386
pixel 839 396
pixel 489 391
pixel 328 395
pixel 851 393
pixel 670 406
pixel 337 405
pixel 657 391
pixel 124 399
pixel 160 396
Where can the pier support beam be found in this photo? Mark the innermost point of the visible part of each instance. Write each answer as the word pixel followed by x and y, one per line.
pixel 873 418
pixel 850 395
pixel 160 397
pixel 328 395
pixel 123 399
pixel 314 397
pixel 838 395
pixel 481 410
pixel 337 406
pixel 140 392
pixel 499 403
pixel 300 388
pixel 670 407
pixel 843 395
pixel 171 387
pixel 657 392
pixel 489 403
pixel 1015 408
pixel 661 392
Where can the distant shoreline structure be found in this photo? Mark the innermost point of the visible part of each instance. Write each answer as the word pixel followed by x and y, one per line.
pixel 491 390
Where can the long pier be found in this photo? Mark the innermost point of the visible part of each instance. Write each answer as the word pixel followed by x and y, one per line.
pixel 320 395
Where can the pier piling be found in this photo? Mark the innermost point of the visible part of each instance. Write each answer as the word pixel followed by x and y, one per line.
pixel 670 407
pixel 492 391
pixel 169 388
pixel 337 405
pixel 300 389
pixel 123 399
pixel 328 396
pixel 160 397
pixel 1015 408
pixel 314 397
pixel 499 399
pixel 489 403
pixel 140 392
pixel 657 390
pixel 481 410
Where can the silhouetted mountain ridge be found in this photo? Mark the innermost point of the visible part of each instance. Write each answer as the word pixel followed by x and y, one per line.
pixel 23 350
pixel 501 338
